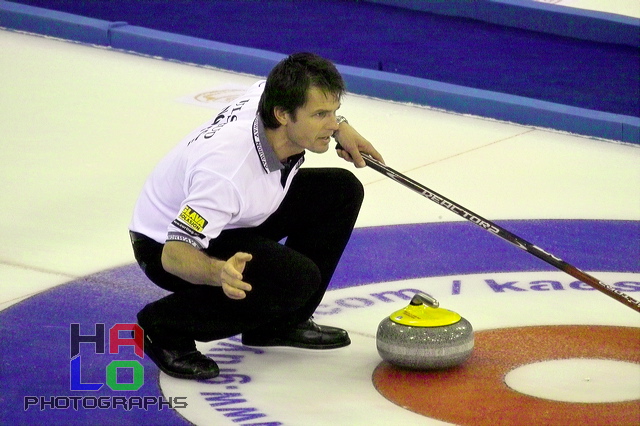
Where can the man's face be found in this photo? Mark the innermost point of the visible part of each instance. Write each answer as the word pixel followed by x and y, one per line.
pixel 314 122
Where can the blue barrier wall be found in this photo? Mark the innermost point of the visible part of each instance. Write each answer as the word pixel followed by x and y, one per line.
pixel 529 15
pixel 380 84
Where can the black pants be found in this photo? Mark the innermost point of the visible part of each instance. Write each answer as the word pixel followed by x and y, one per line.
pixel 288 280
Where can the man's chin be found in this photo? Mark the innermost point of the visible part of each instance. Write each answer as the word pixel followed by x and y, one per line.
pixel 320 147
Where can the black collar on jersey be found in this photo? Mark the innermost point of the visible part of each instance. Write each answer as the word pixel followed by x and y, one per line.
pixel 292 162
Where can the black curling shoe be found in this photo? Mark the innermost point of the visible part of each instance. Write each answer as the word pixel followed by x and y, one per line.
pixel 307 335
pixel 183 364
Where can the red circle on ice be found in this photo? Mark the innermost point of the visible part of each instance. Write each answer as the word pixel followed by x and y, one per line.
pixel 475 392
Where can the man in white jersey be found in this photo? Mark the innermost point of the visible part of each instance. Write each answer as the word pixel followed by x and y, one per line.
pixel 210 222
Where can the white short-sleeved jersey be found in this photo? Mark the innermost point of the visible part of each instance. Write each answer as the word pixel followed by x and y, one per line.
pixel 223 175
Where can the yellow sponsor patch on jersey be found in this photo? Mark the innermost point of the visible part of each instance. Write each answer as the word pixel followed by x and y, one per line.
pixel 193 219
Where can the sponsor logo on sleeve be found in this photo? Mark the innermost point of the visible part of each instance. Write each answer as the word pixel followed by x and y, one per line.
pixel 193 219
pixel 176 236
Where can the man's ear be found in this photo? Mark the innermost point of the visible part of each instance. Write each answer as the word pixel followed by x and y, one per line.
pixel 281 115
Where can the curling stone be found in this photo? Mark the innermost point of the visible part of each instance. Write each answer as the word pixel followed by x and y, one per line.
pixel 424 336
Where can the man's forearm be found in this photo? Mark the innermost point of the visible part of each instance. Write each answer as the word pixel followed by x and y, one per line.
pixel 191 264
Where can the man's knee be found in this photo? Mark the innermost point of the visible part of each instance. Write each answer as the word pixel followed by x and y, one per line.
pixel 347 185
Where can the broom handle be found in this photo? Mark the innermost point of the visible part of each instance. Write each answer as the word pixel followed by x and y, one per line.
pixel 501 232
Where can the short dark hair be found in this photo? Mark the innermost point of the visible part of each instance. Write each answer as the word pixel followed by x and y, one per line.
pixel 289 80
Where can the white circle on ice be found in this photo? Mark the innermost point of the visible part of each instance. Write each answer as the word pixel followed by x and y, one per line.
pixel 578 380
